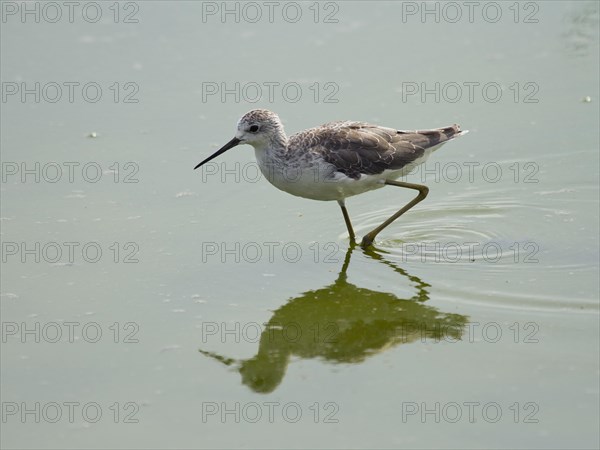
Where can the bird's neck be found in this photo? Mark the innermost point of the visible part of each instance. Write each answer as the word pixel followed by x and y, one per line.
pixel 272 157
pixel 279 142
pixel 276 146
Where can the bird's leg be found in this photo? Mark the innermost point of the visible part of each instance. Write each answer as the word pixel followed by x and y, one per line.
pixel 423 191
pixel 347 220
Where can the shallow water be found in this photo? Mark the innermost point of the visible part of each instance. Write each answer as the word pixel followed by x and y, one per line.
pixel 232 314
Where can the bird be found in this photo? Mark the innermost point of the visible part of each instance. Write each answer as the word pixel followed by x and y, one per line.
pixel 338 160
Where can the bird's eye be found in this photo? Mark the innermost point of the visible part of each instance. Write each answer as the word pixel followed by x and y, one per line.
pixel 253 129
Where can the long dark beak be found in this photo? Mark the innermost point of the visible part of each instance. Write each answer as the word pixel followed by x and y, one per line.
pixel 232 143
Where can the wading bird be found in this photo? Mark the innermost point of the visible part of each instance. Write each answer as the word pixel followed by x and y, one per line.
pixel 338 159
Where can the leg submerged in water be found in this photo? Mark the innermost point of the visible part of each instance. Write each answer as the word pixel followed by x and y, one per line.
pixel 423 191
pixel 347 220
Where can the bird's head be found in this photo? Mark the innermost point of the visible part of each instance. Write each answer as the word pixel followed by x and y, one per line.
pixel 259 128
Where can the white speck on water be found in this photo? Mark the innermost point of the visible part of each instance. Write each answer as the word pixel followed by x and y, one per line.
pixel 197 298
pixel 168 348
pixel 186 193
pixel 559 191
pixel 179 310
pixel 9 295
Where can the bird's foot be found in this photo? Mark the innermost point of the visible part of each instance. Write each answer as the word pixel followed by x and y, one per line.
pixel 367 241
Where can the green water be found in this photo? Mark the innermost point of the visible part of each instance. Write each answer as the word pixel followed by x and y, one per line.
pixel 234 315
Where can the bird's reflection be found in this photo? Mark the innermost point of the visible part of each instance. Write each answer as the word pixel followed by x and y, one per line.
pixel 343 323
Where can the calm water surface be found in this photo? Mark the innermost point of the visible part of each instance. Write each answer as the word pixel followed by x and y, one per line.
pixel 234 315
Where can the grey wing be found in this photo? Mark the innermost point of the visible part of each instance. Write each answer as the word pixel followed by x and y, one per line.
pixel 358 147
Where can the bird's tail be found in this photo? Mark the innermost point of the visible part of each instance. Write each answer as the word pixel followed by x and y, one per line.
pixel 445 133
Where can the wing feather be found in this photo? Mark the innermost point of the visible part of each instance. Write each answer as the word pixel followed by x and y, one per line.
pixel 358 147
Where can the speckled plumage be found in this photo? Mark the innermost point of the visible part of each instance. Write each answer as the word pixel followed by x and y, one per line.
pixel 338 159
pixel 357 148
